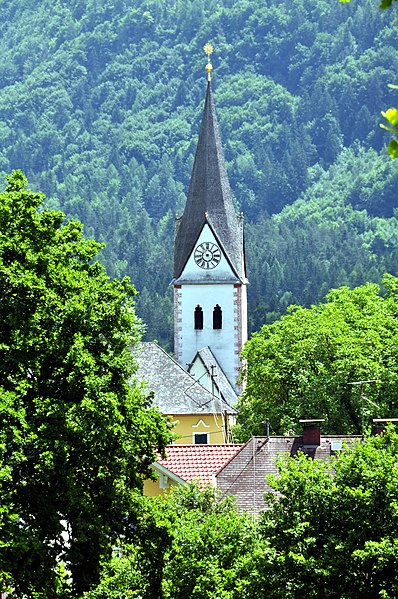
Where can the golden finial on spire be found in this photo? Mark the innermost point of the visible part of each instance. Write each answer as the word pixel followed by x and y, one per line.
pixel 208 48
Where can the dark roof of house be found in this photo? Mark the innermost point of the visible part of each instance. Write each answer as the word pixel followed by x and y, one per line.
pixel 220 380
pixel 245 475
pixel 209 200
pixel 197 462
pixel 175 390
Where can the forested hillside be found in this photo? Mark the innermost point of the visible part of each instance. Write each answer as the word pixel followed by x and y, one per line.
pixel 100 102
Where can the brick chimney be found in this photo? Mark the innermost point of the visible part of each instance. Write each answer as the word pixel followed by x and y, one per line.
pixel 312 432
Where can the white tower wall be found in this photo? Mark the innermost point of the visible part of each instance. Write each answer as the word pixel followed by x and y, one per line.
pixel 207 289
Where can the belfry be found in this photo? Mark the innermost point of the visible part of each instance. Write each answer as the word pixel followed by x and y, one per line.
pixel 210 285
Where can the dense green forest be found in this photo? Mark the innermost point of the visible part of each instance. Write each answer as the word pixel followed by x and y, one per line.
pixel 100 103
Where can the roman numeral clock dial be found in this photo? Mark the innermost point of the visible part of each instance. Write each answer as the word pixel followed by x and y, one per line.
pixel 207 255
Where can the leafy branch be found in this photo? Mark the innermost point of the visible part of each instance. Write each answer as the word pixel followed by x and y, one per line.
pixel 383 3
pixel 391 116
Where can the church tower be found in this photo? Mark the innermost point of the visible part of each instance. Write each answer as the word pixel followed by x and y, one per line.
pixel 210 297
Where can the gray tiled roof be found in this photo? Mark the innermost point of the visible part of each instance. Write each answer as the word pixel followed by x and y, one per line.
pixel 175 390
pixel 220 380
pixel 245 475
pixel 209 200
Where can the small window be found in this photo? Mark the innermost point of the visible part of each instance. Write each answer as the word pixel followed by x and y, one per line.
pixel 198 318
pixel 201 438
pixel 217 317
pixel 164 482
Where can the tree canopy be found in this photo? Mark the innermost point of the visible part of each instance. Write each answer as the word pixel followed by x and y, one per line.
pixel 391 116
pixel 303 365
pixel 333 524
pixel 202 548
pixel 103 116
pixel 76 436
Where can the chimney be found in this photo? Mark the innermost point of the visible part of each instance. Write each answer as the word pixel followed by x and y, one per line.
pixel 381 423
pixel 312 432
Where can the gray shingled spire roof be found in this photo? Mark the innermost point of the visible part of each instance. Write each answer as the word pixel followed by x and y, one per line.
pixel 209 200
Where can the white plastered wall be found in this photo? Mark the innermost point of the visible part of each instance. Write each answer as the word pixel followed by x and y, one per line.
pixel 207 288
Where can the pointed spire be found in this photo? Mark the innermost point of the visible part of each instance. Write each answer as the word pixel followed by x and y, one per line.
pixel 209 199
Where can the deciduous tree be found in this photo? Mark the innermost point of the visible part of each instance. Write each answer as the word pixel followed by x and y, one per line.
pixel 76 437
pixel 383 3
pixel 302 365
pixel 391 116
pixel 190 543
pixel 333 525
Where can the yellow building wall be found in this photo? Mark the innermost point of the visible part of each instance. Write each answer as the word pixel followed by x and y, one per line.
pixel 188 424
pixel 152 487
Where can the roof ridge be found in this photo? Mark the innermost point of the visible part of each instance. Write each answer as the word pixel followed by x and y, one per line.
pixel 242 446
pixel 223 384
pixel 199 462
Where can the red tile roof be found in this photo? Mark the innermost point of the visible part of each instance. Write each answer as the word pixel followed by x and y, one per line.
pixel 198 462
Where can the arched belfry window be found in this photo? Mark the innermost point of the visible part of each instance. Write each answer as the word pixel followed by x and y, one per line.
pixel 217 317
pixel 198 318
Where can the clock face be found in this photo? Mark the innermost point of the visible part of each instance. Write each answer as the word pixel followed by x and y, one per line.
pixel 207 255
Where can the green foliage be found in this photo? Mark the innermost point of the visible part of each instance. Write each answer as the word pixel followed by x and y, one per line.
pixel 215 551
pixel 203 548
pixel 386 4
pixel 334 235
pixel 136 566
pixel 383 3
pixel 104 119
pixel 330 531
pixel 391 116
pixel 392 148
pixel 75 438
pixel 121 578
pixel 333 525
pixel 301 366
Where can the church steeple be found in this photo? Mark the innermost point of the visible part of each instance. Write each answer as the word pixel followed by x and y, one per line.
pixel 210 199
pixel 210 305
